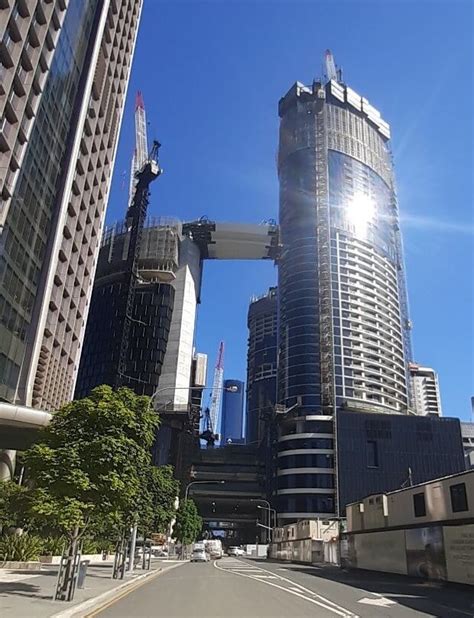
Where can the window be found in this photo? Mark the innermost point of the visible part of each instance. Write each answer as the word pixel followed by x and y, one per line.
pixel 458 497
pixel 419 505
pixel 372 454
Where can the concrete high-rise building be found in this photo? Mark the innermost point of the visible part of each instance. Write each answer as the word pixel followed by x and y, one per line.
pixel 343 326
pixel 63 82
pixel 425 390
pixel 232 416
pixel 261 363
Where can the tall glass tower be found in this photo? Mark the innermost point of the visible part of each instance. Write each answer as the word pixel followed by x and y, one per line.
pixel 344 333
pixel 64 74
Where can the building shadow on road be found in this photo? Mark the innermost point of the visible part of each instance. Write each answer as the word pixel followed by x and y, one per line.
pixel 440 599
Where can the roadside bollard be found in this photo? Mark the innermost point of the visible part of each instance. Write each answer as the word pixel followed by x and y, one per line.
pixel 81 576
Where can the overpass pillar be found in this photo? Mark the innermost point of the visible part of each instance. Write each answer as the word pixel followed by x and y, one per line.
pixel 7 464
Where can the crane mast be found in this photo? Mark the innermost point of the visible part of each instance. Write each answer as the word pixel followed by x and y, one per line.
pixel 140 152
pixel 330 66
pixel 211 414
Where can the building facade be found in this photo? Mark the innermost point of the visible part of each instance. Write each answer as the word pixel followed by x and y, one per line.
pixel 232 417
pixel 425 390
pixel 467 431
pixel 65 71
pixel 343 332
pixel 384 452
pixel 152 311
pixel 261 363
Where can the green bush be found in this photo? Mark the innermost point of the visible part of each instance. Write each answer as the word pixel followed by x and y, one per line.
pixel 22 547
pixel 52 545
pixel 90 546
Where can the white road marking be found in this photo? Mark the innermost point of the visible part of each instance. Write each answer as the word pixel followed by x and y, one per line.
pixel 301 592
pixel 380 602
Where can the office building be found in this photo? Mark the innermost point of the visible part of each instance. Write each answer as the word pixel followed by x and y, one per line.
pixel 261 363
pixel 343 326
pixel 385 452
pixel 232 416
pixel 63 82
pixel 467 432
pixel 425 390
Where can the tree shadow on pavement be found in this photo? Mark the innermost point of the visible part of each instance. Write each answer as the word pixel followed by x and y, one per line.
pixel 440 599
pixel 23 590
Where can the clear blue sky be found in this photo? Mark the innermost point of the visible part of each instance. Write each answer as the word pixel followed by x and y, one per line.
pixel 212 74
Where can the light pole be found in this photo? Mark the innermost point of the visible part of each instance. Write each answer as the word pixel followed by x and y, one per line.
pixel 229 389
pixel 269 509
pixel 200 482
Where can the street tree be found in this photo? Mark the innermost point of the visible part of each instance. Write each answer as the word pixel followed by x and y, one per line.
pixel 88 467
pixel 188 523
pixel 162 490
pixel 13 506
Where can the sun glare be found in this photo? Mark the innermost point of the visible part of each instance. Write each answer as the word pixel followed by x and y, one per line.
pixel 360 211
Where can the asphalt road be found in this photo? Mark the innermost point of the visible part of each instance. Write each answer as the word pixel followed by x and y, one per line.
pixel 236 588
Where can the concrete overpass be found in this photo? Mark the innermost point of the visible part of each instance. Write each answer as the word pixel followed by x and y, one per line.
pixel 19 427
pixel 229 508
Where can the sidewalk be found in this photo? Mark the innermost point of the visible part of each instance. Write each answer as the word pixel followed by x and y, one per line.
pixel 23 595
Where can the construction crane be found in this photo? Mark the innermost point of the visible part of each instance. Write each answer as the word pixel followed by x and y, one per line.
pixel 211 413
pixel 140 152
pixel 330 69
pixel 330 65
pixel 135 221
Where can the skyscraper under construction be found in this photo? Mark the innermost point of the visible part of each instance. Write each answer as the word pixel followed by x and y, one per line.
pixel 344 331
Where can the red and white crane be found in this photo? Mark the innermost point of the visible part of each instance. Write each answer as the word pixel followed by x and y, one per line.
pixel 211 414
pixel 330 65
pixel 140 153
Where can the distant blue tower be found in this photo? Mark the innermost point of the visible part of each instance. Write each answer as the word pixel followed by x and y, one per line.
pixel 232 411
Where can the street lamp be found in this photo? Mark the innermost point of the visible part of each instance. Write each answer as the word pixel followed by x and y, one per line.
pixel 198 483
pixel 270 510
pixel 228 389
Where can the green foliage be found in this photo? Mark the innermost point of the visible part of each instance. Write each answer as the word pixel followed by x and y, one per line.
pixel 13 505
pixel 188 523
pixel 22 547
pixel 52 545
pixel 159 503
pixel 88 468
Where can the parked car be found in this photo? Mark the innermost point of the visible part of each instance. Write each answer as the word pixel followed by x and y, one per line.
pixel 235 551
pixel 199 555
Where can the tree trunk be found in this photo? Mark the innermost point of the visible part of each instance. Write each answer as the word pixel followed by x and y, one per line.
pixel 68 579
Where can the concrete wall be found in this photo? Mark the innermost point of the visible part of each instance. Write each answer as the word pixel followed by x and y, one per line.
pixel 176 371
pixel 443 553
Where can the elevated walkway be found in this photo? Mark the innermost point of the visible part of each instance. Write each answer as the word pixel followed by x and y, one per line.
pixel 233 241
pixel 19 425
